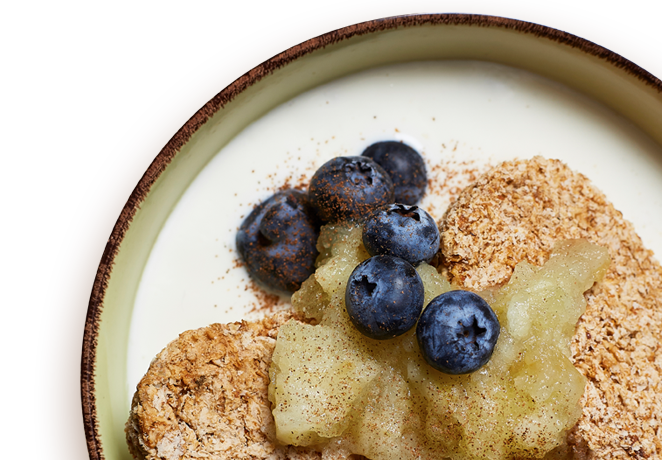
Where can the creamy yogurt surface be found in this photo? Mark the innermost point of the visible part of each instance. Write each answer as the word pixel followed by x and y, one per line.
pixel 463 116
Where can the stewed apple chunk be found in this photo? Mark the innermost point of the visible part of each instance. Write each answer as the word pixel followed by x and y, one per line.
pixel 331 383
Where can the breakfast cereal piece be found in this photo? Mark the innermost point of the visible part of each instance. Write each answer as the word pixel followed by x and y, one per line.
pixel 205 396
pixel 515 213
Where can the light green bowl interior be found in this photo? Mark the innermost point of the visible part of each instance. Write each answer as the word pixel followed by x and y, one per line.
pixel 591 75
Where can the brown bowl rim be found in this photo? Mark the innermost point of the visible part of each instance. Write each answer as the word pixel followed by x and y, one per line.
pixel 163 159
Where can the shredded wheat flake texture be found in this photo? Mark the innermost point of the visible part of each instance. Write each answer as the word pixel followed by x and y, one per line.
pixel 205 396
pixel 516 212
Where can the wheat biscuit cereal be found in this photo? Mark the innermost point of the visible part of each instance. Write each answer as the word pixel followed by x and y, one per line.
pixel 205 396
pixel 515 212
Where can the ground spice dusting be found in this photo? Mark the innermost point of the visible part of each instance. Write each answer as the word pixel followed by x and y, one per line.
pixel 446 180
pixel 265 303
pixel 298 183
pixel 297 177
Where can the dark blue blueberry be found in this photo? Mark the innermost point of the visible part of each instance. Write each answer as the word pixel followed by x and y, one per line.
pixel 277 241
pixel 348 188
pixel 457 332
pixel 402 231
pixel 384 297
pixel 405 166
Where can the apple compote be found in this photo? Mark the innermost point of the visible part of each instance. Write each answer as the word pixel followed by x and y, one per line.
pixel 330 383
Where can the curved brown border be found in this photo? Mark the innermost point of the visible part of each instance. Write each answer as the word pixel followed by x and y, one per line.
pixel 228 94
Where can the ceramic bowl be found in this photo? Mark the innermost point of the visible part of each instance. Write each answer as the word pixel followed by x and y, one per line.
pixel 528 90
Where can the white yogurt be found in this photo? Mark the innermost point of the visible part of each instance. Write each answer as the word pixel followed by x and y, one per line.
pixel 452 111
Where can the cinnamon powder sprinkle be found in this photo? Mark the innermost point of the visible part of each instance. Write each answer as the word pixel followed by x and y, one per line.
pixel 265 303
pixel 446 180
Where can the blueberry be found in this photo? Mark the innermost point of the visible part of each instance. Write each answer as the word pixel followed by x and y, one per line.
pixel 348 188
pixel 402 231
pixel 405 166
pixel 384 297
pixel 277 241
pixel 457 332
